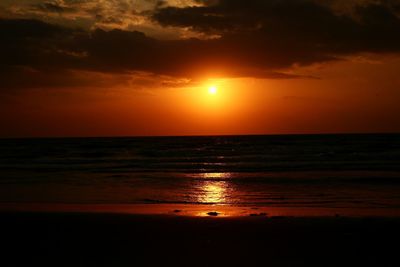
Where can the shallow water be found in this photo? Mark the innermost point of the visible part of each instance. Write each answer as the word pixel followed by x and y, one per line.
pixel 319 171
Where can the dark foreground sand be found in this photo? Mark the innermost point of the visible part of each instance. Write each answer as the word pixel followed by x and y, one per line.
pixel 83 239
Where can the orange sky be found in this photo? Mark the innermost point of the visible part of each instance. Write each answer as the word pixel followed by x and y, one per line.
pixel 101 85
pixel 349 97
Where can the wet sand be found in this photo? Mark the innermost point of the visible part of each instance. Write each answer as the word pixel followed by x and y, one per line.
pixel 104 239
pixel 202 210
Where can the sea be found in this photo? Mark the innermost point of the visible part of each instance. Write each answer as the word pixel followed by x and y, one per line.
pixel 338 171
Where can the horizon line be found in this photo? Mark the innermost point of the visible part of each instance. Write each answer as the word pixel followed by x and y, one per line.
pixel 198 135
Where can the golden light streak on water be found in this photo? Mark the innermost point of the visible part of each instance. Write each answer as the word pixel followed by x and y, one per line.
pixel 213 192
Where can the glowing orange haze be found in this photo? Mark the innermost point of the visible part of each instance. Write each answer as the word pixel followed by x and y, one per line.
pixel 350 97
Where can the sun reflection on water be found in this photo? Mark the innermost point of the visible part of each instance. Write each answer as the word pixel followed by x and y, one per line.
pixel 212 187
pixel 214 192
pixel 210 175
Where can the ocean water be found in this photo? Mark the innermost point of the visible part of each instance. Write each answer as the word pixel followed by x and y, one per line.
pixel 325 171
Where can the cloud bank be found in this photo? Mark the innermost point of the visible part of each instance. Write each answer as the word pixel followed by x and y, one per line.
pixel 257 38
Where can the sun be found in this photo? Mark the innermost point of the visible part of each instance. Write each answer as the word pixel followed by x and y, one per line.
pixel 212 90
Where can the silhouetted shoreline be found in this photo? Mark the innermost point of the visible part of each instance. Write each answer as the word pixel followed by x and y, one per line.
pixel 95 239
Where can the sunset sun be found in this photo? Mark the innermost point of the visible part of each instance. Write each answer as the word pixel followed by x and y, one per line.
pixel 212 90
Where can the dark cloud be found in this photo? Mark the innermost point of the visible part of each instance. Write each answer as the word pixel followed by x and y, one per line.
pixel 26 42
pixel 54 6
pixel 257 39
pixel 31 48
pixel 20 77
pixel 294 25
pixel 17 29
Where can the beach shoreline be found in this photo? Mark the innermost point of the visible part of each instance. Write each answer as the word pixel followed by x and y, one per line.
pixel 192 210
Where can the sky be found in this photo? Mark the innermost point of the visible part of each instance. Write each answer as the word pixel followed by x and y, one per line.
pixel 145 67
